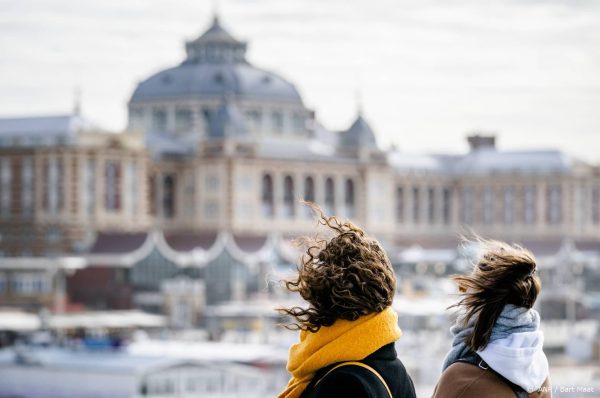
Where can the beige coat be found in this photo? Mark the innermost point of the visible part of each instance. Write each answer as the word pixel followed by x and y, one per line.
pixel 463 380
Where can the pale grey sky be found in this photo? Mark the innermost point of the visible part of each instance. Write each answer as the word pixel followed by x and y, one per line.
pixel 429 71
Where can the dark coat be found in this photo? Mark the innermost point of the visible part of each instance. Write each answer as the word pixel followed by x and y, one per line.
pixel 357 382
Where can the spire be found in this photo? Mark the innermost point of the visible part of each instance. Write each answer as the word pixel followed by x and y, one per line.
pixel 215 12
pixel 358 99
pixel 77 101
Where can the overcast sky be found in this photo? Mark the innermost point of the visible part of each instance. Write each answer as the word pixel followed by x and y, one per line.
pixel 428 71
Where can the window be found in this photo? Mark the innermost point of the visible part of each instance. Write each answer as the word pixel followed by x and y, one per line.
pixel 508 199
pixel 27 283
pixel 136 118
pixel 212 183
pixel 595 203
pixel 431 205
pixel 183 119
pixel 159 120
pixel 168 199
pixel 89 186
pixel 53 235
pixel 416 205
pixel 277 121
pixel 399 205
pixel 467 205
pixel 298 122
pixel 27 186
pixel 244 183
pixel 254 119
pixel 131 187
pixel 488 205
pixel 553 204
pixel 53 184
pixel 207 115
pixel 329 196
pixel 211 210
pixel 446 205
pixel 112 175
pixel 288 197
pixel 5 186
pixel 349 200
pixel 529 201
pixel 268 207
pixel 309 195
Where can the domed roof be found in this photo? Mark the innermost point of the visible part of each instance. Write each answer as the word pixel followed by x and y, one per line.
pixel 215 66
pixel 359 135
pixel 204 80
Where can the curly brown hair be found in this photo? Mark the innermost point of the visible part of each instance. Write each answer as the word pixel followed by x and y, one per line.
pixel 344 277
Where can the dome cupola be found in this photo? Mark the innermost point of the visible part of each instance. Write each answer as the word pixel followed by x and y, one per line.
pixel 215 46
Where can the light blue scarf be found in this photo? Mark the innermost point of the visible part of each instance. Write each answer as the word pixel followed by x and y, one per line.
pixel 512 319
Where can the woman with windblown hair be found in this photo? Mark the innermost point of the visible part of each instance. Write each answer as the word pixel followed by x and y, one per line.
pixel 348 331
pixel 497 347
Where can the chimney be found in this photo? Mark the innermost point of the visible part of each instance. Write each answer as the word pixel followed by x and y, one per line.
pixel 480 141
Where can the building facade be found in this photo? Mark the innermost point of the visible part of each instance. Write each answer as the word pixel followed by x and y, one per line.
pixel 218 155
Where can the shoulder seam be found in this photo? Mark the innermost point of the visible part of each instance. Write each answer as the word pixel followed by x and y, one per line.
pixel 465 388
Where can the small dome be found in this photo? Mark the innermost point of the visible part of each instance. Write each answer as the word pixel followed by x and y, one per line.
pixel 359 135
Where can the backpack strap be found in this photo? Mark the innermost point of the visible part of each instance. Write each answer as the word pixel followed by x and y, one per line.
pixel 474 359
pixel 362 365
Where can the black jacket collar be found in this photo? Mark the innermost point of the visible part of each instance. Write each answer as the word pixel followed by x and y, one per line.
pixel 387 352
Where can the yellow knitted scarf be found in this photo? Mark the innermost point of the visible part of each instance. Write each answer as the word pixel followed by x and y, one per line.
pixel 342 341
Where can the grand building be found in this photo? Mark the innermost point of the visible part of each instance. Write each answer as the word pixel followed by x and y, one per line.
pixel 203 190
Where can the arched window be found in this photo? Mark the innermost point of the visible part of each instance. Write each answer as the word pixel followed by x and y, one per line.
pixel 595 203
pixel 431 205
pixel 168 200
pixel 447 205
pixel 268 208
pixel 529 204
pixel 329 196
pixel 467 205
pixel 416 205
pixel 288 197
pixel 508 207
pixel 554 204
pixel 400 205
pixel 488 205
pixel 309 195
pixel 349 200
pixel 113 186
pixel 6 185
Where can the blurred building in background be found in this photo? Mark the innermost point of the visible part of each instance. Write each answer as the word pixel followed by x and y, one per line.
pixel 206 183
pixel 192 210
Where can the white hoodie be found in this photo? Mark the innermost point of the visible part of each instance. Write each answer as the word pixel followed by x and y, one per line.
pixel 519 358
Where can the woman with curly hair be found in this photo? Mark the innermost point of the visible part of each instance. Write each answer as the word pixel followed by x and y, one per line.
pixel 348 330
pixel 497 347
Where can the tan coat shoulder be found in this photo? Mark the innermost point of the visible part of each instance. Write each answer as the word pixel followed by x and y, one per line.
pixel 462 380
